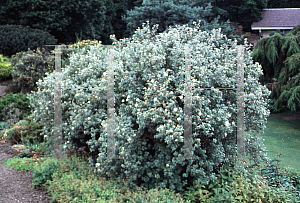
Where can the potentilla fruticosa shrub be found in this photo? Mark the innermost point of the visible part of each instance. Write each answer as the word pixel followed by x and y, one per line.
pixel 149 94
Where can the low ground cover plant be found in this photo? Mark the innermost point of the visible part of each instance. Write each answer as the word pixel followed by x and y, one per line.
pixel 19 101
pixel 72 180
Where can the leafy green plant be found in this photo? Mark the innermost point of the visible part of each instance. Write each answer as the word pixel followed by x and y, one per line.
pixel 76 181
pixel 33 132
pixel 5 68
pixel 4 125
pixel 242 183
pixel 19 101
pixel 74 48
pixel 149 80
pixel 278 177
pixel 22 164
pixel 18 38
pixel 16 132
pixel 44 172
pixel 32 66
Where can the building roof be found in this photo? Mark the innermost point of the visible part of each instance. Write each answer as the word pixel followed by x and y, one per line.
pixel 278 18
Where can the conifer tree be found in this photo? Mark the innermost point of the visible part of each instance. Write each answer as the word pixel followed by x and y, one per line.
pixel 176 12
pixel 280 59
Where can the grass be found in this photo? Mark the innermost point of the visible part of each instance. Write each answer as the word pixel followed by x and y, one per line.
pixel 283 137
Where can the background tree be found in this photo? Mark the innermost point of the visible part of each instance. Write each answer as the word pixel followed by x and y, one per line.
pixel 169 13
pixel 114 24
pixel 61 18
pixel 283 4
pixel 244 12
pixel 279 57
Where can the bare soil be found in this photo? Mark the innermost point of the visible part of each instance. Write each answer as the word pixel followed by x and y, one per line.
pixel 15 187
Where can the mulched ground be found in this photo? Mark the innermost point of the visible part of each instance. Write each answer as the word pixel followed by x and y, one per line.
pixel 15 186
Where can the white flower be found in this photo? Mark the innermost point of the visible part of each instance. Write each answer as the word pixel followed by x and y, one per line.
pixel 68 142
pixel 128 139
pixel 97 165
pixel 122 100
pixel 167 165
pixel 155 99
pixel 166 74
pixel 89 118
pixel 227 123
pixel 137 99
pixel 178 119
pixel 45 136
pixel 229 115
pixel 175 109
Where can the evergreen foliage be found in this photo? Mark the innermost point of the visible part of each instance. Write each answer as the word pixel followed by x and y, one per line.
pixel 244 12
pixel 149 90
pixel 61 18
pixel 279 57
pixel 17 38
pixel 114 24
pixel 283 4
pixel 20 101
pixel 31 66
pixel 170 13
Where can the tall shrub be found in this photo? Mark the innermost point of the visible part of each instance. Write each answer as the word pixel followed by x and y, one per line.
pixel 31 66
pixel 174 12
pixel 17 38
pixel 149 106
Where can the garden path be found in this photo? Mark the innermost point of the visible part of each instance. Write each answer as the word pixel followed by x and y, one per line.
pixel 15 186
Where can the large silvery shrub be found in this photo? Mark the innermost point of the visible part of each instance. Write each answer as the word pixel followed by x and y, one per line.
pixel 149 106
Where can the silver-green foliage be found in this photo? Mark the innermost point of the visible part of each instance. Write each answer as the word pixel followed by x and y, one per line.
pixel 149 105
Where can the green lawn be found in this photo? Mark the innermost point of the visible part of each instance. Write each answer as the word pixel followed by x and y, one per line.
pixel 283 136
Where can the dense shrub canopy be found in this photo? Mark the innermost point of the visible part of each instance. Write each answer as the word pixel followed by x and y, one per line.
pixel 149 107
pixel 31 66
pixel 17 38
pixel 61 18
